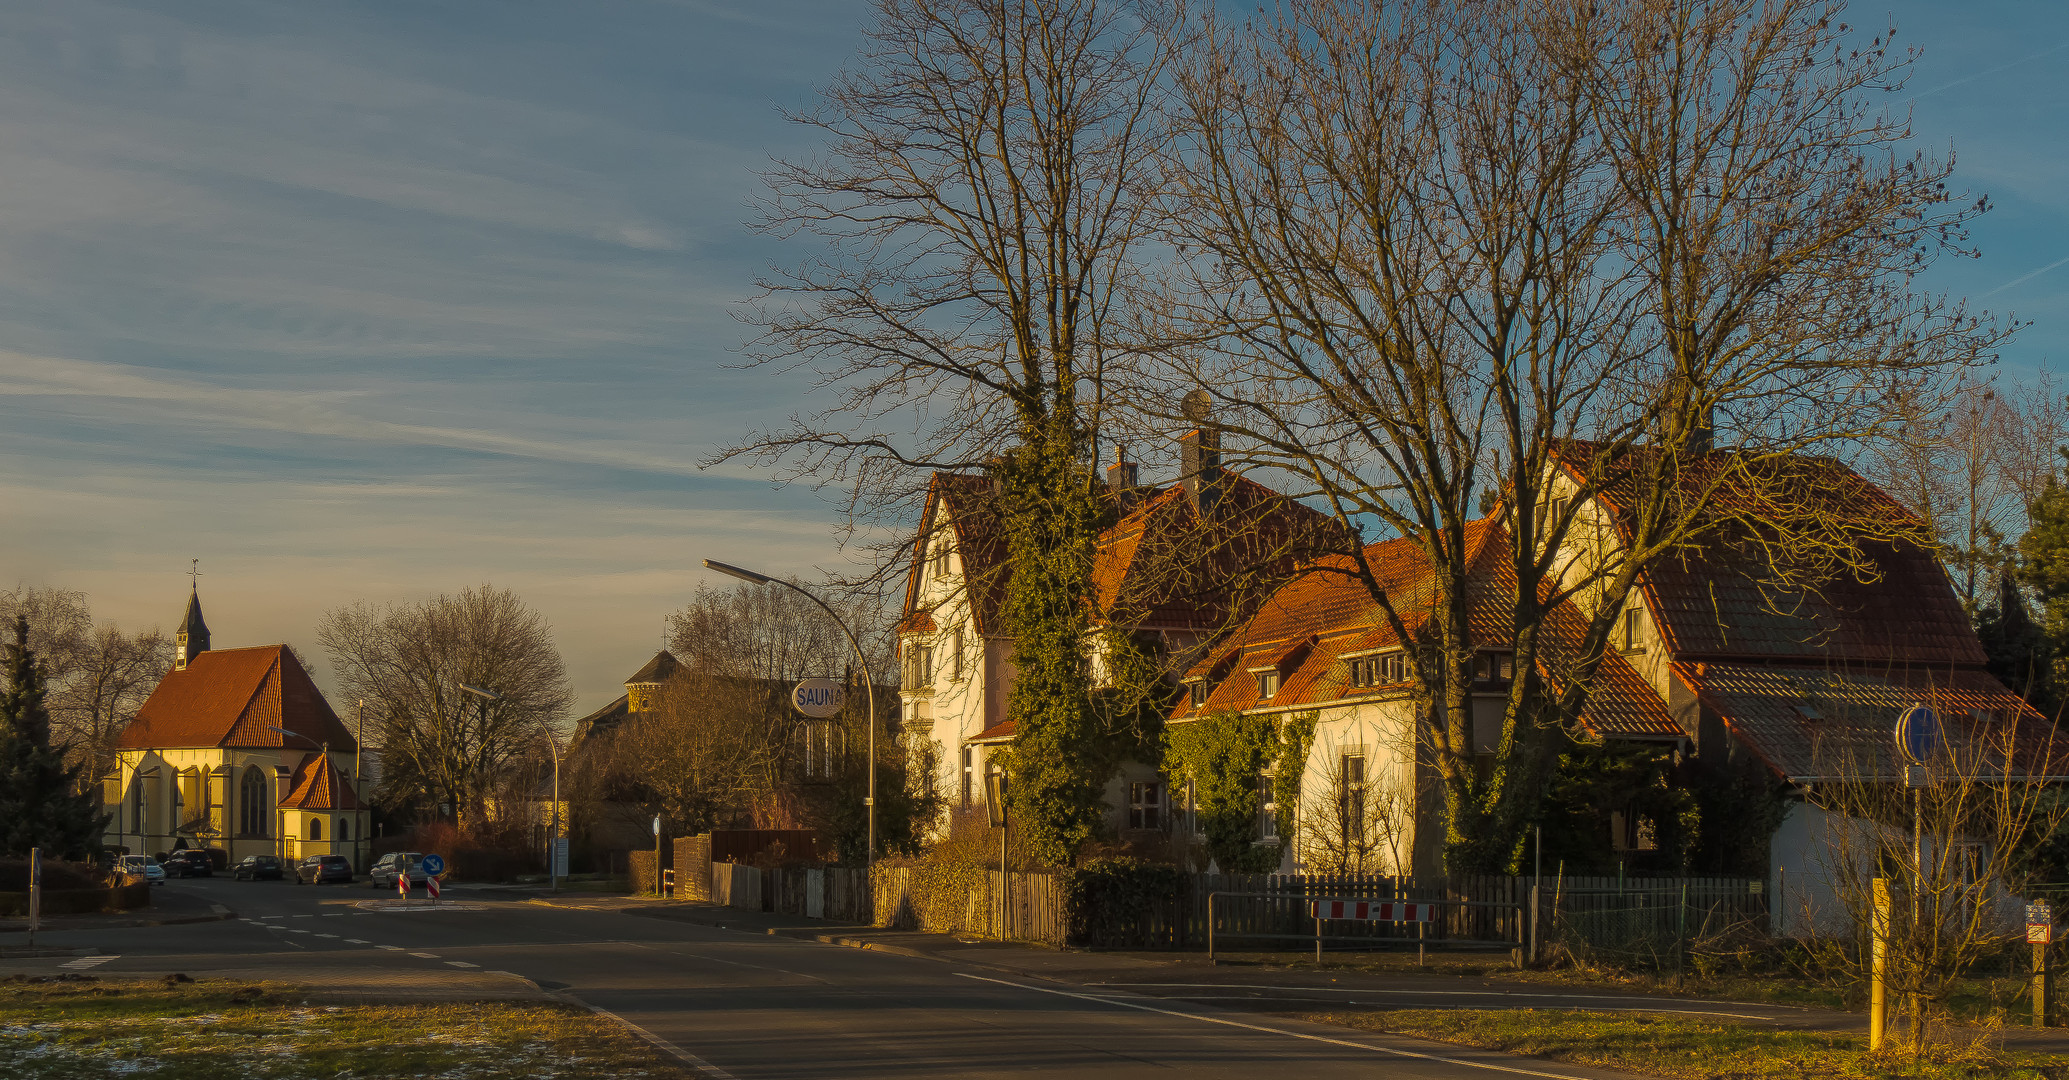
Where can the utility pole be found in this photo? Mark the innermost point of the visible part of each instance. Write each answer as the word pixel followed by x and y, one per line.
pixel 359 787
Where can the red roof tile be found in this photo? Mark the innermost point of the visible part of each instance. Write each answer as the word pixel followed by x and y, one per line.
pixel 232 697
pixel 317 786
pixel 1810 722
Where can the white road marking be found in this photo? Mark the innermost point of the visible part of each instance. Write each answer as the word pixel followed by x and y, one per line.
pixel 301 916
pixel 390 948
pixel 1278 1031
pixel 355 941
pixel 85 962
pixel 680 1054
pixel 460 963
pixel 219 909
pixel 1425 993
pixel 426 955
pixel 333 914
pixel 327 935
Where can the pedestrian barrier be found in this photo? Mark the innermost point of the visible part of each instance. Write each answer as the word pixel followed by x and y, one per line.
pixel 1270 916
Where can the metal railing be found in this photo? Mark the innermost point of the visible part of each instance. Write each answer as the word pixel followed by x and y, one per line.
pixel 1422 941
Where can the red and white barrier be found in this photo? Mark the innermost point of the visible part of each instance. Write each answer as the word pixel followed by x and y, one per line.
pixel 1375 910
pixel 431 886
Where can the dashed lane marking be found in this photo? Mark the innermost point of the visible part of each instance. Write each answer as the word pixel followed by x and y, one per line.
pixel 390 948
pixel 354 941
pixel 327 935
pixel 86 962
pixel 426 955
pixel 460 963
pixel 301 916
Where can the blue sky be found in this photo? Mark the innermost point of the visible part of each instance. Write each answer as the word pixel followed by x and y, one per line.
pixel 374 300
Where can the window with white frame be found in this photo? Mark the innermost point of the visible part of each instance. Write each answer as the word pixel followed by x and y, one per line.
pixel 1350 805
pixel 940 568
pixel 969 774
pixel 955 655
pixel 1145 804
pixel 1633 630
pixel 1196 691
pixel 1267 683
pixel 1267 808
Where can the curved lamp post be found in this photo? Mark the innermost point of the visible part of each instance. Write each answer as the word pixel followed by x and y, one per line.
pixel 553 744
pixel 868 684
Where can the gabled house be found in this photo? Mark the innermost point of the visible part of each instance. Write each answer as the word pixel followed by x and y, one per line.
pixel 236 749
pixel 1178 566
pixel 1747 680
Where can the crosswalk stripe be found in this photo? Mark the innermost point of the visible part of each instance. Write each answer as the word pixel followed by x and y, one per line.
pixel 85 962
pixel 426 955
pixel 461 963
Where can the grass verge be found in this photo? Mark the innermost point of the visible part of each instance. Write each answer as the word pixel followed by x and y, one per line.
pixel 213 1029
pixel 1686 1048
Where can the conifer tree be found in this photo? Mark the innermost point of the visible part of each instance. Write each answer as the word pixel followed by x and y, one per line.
pixel 2044 567
pixel 41 804
pixel 2019 651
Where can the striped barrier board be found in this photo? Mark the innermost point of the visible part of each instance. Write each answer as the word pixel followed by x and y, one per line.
pixel 1375 910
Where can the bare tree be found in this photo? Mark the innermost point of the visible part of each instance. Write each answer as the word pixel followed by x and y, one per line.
pixel 982 208
pixel 1549 251
pixel 770 632
pixel 1361 818
pixel 439 743
pixel 98 675
pixel 1953 853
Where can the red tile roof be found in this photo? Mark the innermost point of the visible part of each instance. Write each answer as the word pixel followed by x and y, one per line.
pixel 232 698
pixel 1811 722
pixel 1160 566
pixel 318 786
pixel 1713 600
pixel 1329 613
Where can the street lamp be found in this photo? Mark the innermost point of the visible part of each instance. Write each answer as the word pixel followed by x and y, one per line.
pixel 868 684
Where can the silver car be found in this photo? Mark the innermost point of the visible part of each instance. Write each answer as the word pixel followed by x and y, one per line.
pixel 395 864
pixel 144 866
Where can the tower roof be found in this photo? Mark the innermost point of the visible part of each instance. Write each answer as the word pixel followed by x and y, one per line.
pixel 192 625
pixel 661 668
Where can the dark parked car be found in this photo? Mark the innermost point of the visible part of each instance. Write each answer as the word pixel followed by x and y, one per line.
pixel 395 864
pixel 189 863
pixel 323 870
pixel 257 867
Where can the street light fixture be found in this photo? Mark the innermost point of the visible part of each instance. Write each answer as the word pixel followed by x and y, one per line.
pixel 868 683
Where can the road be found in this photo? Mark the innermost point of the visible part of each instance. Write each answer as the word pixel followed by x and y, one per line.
pixel 755 1006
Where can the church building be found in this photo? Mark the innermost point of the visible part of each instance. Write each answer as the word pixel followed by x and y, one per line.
pixel 236 750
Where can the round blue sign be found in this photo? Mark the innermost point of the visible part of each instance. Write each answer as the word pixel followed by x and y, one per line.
pixel 433 865
pixel 1918 734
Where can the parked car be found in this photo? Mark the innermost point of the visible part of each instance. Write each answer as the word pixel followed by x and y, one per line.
pixel 255 867
pixel 143 866
pixel 189 863
pixel 393 865
pixel 323 869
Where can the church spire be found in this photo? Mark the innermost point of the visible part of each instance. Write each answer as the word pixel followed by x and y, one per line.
pixel 192 638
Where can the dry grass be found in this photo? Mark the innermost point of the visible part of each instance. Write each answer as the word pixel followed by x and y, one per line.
pixel 1688 1048
pixel 214 1029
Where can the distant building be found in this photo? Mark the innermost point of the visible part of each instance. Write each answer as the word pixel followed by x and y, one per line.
pixel 230 753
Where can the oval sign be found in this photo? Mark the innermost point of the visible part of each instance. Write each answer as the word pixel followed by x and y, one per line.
pixel 819 698
pixel 1918 734
pixel 433 865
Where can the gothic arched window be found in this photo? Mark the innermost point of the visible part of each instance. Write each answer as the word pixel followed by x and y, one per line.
pixel 316 828
pixel 252 804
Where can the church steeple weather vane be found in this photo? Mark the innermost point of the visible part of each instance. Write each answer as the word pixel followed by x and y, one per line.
pixel 191 640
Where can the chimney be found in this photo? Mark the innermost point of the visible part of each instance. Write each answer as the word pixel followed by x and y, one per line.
pixel 1199 455
pixel 1122 474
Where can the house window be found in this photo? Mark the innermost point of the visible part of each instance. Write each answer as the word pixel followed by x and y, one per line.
pixel 955 655
pixel 1267 684
pixel 252 803
pixel 1145 805
pixel 969 773
pixel 1633 633
pixel 1350 804
pixel 919 665
pixel 1632 831
pixel 315 828
pixel 344 828
pixel 1496 667
pixel 1196 691
pixel 940 561
pixel 1554 510
pixel 1267 809
pixel 1191 810
pixel 136 799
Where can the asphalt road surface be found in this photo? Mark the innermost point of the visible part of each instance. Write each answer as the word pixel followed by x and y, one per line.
pixel 754 1006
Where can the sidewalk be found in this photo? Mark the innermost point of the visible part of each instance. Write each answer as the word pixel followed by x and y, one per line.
pixel 1260 986
pixel 168 908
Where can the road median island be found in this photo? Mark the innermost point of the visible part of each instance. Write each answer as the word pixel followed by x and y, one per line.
pixel 1695 1048
pixel 82 1027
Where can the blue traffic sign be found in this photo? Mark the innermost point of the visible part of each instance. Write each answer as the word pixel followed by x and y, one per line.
pixel 433 865
pixel 1918 734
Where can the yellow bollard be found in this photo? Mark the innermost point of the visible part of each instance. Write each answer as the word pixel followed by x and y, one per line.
pixel 1878 985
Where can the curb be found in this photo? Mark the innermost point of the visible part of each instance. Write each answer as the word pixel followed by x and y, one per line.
pixel 126 924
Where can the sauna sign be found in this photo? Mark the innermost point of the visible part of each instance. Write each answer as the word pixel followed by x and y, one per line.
pixel 818 698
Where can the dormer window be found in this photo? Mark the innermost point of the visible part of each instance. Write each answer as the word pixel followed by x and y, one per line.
pixel 1494 667
pixel 1267 684
pixel 1196 691
pixel 1382 670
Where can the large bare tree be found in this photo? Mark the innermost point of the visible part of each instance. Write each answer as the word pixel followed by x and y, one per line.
pixel 1443 251
pixel 979 220
pixel 441 744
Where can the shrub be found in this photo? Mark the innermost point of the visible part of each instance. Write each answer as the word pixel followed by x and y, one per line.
pixel 1126 904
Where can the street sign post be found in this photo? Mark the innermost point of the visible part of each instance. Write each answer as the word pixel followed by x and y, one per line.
pixel 1918 734
pixel 2040 931
pixel 560 856
pixel 820 699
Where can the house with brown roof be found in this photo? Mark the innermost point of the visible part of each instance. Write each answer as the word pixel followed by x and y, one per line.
pixel 1177 567
pixel 237 750
pixel 1716 656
